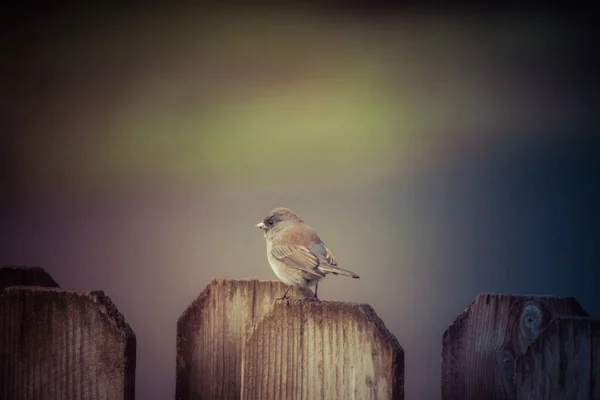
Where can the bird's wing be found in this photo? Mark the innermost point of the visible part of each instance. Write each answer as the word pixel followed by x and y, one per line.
pixel 328 263
pixel 299 257
pixel 324 253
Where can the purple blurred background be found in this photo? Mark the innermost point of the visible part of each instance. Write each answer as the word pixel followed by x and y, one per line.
pixel 438 154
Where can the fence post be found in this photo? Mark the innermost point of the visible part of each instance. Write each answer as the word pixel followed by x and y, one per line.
pixel 563 363
pixel 326 350
pixel 64 344
pixel 210 334
pixel 480 347
pixel 21 275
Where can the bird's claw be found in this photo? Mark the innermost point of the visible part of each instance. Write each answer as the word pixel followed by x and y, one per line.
pixel 286 298
pixel 311 299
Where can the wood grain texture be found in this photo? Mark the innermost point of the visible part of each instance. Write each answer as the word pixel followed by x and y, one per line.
pixel 563 363
pixel 28 276
pixel 58 344
pixel 480 347
pixel 210 334
pixel 327 350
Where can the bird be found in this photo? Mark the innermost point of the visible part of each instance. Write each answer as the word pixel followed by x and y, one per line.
pixel 296 253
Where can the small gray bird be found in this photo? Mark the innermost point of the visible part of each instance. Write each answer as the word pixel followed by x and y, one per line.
pixel 296 253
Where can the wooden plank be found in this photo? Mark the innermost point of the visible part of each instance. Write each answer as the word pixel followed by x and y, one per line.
pixel 210 334
pixel 563 363
pixel 64 344
pixel 24 276
pixel 326 350
pixel 479 349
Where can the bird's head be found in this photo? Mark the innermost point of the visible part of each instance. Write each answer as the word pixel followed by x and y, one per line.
pixel 277 220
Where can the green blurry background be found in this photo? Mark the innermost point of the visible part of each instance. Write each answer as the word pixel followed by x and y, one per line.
pixel 438 155
pixel 254 94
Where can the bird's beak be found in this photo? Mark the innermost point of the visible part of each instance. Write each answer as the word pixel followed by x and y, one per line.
pixel 261 225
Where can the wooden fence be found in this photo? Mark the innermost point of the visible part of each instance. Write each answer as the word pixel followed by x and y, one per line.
pixel 236 342
pixel 61 344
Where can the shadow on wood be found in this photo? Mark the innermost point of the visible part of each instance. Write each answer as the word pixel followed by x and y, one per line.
pixel 58 343
pixel 563 363
pixel 327 350
pixel 24 276
pixel 210 333
pixel 480 347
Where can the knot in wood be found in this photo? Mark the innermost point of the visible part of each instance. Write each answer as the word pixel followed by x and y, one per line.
pixel 531 320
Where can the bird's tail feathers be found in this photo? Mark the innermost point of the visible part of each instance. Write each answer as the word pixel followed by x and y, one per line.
pixel 337 270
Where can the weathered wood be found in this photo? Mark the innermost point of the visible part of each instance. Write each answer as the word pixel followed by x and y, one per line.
pixel 327 350
pixel 29 276
pixel 211 331
pixel 479 349
pixel 563 363
pixel 64 344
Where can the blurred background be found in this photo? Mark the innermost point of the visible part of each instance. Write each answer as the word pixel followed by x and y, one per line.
pixel 438 153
